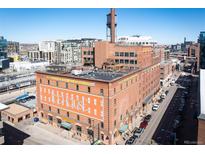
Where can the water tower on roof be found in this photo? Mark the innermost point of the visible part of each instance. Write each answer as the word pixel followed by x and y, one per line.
pixel 110 29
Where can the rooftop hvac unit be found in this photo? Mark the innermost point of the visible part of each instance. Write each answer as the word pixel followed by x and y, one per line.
pixel 76 72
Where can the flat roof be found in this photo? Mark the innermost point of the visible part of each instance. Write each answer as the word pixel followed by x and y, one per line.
pixel 99 75
pixel 3 107
pixel 103 75
pixel 15 109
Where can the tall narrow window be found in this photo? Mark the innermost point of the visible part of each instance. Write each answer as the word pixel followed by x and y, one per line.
pixel 77 87
pixel 89 120
pixel 89 89
pixel 66 85
pixel 115 102
pixel 48 82
pixel 78 117
pixel 101 92
pixel 56 83
pixel 115 123
pixel 115 112
pixel 102 125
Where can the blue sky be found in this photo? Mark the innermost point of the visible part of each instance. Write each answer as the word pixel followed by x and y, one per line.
pixel 164 25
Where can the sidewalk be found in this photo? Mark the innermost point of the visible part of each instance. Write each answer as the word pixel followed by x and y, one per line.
pixel 46 134
pixel 60 132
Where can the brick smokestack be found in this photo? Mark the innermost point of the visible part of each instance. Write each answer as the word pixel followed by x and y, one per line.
pixel 112 30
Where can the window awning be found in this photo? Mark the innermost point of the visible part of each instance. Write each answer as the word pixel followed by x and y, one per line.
pixel 148 99
pixel 123 128
pixel 98 142
pixel 66 125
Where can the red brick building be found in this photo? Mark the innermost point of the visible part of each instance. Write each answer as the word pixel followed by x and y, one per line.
pixel 101 101
pixel 194 51
pixel 88 55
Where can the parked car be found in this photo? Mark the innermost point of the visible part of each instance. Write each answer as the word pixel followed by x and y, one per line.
pixel 180 109
pixel 143 124
pixel 177 121
pixel 163 96
pixel 130 141
pixel 155 107
pixel 138 132
pixel 185 92
pixel 175 124
pixel 23 101
pixel 160 100
pixel 35 119
pixel 32 97
pixel 134 129
pixel 148 117
pixel 171 83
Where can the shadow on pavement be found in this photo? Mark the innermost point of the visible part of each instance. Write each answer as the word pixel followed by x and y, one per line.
pixel 13 136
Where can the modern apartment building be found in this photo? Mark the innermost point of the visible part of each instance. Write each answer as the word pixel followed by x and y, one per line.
pixel 26 47
pixel 71 51
pixel 47 52
pixel 48 49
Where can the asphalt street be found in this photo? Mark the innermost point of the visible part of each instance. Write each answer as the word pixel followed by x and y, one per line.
pixel 184 109
pixel 146 137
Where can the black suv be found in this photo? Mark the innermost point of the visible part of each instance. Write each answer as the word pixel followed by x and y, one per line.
pixel 148 117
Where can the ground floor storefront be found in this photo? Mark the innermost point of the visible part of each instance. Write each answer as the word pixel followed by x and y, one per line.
pixel 82 132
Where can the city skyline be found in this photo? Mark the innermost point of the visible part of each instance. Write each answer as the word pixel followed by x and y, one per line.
pixel 166 26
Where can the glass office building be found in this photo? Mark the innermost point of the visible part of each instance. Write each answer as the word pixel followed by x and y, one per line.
pixel 3 44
